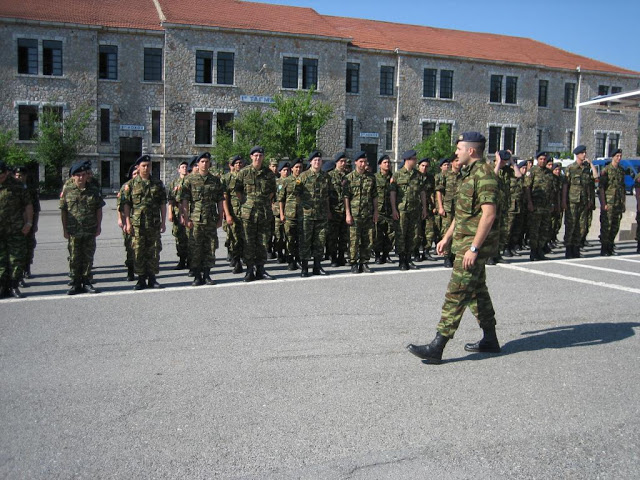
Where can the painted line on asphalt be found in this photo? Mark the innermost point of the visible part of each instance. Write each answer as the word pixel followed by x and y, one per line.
pixel 572 279
pixel 625 259
pixel 602 269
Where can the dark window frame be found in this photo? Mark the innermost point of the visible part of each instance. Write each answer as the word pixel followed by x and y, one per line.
pixel 225 65
pixel 223 121
pixel 152 64
pixel 52 58
pixel 429 79
pixel 543 93
pixel 290 66
pixel 495 137
pixel 353 77
pixel 156 118
pixel 569 96
pixel 203 128
pixel 204 66
pixel 428 129
pixel 495 89
pixel 105 125
pixel 309 73
pixel 28 56
pixel 388 140
pixel 446 84
pixel 27 122
pixel 108 62
pixel 510 138
pixel 511 90
pixel 387 75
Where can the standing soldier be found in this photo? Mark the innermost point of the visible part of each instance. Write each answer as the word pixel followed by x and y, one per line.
pixel 279 243
pixel 520 222
pixel 507 173
pixel 81 212
pixel 145 212
pixel 409 206
pixel 475 238
pixel 271 245
pixel 585 226
pixel 130 260
pixel 233 222
pixel 612 202
pixel 538 190
pixel 288 203
pixel 556 216
pixel 338 231
pixel 312 188
pixel 178 230
pixel 427 230
pixel 361 212
pixel 201 198
pixel 575 200
pixel 255 188
pixel 21 175
pixel 446 198
pixel 443 165
pixel 16 211
pixel 513 209
pixel 384 229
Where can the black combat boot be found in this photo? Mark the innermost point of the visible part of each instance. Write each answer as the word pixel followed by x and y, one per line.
pixel 305 268
pixel 142 283
pixel 364 268
pixel 488 344
pixel 418 256
pixel 355 268
pixel 541 255
pixel 507 252
pixel 604 250
pixel 261 273
pixel 402 263
pixel 341 260
pixel 130 275
pixel 377 258
pixel 533 255
pixel 14 290
pixel 334 260
pixel 432 353
pixel 182 264
pixel 250 276
pixel 87 287
pixel 152 283
pixel 76 287
pixel 197 278
pixel 491 261
pixel 206 277
pixel 237 267
pixel 576 251
pixel 291 266
pixel 27 272
pixel 427 254
pixel 448 262
pixel 409 263
pixel 281 256
pixel 317 267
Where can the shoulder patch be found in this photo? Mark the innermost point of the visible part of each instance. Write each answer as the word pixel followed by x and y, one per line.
pixel 126 187
pixel 528 174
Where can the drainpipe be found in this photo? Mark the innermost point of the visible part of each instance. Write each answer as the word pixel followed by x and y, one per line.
pixel 396 121
pixel 577 126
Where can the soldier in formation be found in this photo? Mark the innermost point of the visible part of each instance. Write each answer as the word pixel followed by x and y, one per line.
pixel 445 195
pixel 427 232
pixel 384 229
pixel 178 230
pixel 233 222
pixel 612 202
pixel 338 230
pixel 289 212
pixel 539 192
pixel 129 261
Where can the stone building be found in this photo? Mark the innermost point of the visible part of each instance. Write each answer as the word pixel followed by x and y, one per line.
pixel 164 76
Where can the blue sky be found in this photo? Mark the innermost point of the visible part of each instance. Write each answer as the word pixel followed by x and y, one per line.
pixel 606 30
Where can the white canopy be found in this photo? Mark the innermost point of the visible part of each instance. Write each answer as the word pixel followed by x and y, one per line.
pixel 615 101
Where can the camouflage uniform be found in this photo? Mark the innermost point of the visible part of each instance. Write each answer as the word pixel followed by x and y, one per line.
pixel 257 188
pixel 448 188
pixel 279 243
pixel 540 182
pixel 612 190
pixel 287 195
pixel 130 260
pixel 577 204
pixel 313 190
pixel 384 229
pixel 427 230
pixel 178 230
pixel 234 240
pixel 338 230
pixel 146 198
pixel 556 215
pixel 585 226
pixel 505 174
pixel 360 189
pixel 14 198
pixel 81 208
pixel 408 188
pixel 478 185
pixel 514 210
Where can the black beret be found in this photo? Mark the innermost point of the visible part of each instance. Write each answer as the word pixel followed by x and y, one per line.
pixel 557 165
pixel 78 167
pixel 359 155
pixel 579 149
pixel 296 161
pixel 409 154
pixel 3 167
pixel 193 162
pixel 284 165
pixel 383 158
pixel 143 158
pixel 443 161
pixel 540 154
pixel 132 169
pixel 256 149
pixel 206 155
pixel 504 155
pixel 523 163
pixel 236 158
pixel 328 166
pixel 314 154
pixel 183 162
pixel 473 137
pixel 339 155
pixel 423 160
pixel 615 152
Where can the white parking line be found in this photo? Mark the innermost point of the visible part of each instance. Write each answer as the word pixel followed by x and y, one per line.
pixel 592 267
pixel 625 259
pixel 571 279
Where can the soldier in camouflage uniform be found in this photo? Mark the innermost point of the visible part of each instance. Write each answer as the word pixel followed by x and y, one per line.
pixel 361 212
pixel 538 191
pixel 445 196
pixel 427 228
pixel 20 174
pixel 313 189
pixel 16 211
pixel 271 244
pixel 612 202
pixel 409 206
pixel 585 226
pixel 513 178
pixel 81 212
pixel 556 215
pixel 233 222
pixel 145 210
pixel 520 220
pixel 279 238
pixel 502 168
pixel 255 188
pixel 202 196
pixel 178 230
pixel 338 230
pixel 130 260
pixel 288 211
pixel 384 228
pixel 475 238
pixel 575 200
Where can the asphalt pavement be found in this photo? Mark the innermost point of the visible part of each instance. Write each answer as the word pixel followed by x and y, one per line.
pixel 310 378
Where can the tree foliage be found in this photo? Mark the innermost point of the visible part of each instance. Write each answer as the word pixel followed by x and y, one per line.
pixel 10 153
pixel 438 145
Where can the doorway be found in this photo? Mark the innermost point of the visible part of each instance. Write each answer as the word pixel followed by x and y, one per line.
pixel 371 149
pixel 130 151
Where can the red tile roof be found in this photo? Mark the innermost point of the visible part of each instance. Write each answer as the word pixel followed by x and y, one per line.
pixel 373 34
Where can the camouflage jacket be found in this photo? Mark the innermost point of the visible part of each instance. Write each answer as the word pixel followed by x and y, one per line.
pixel 505 174
pixel 203 193
pixel 447 187
pixel 429 188
pixel 540 181
pixel 229 185
pixel 82 208
pixel 360 189
pixel 275 206
pixel 335 194
pixel 515 194
pixel 577 184
pixel 287 195
pixel 612 184
pixel 313 190
pixel 257 187
pixel 173 195
pixel 145 198
pixel 383 187
pixel 14 198
pixel 408 187
pixel 478 185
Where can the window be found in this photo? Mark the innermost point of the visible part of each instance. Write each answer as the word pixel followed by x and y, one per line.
pixel 603 90
pixel 495 93
pixel 353 78
pixel 429 89
pixel 152 64
pixel 386 80
pixel 570 140
pixel 27 122
pixel 204 66
pixel 509 139
pixel 349 133
pixel 613 142
pixel 543 91
pixel 52 58
pixel 388 143
pixel 53 110
pixel 502 137
pixel 428 129
pixel 289 72
pixel 511 95
pixel 28 56
pixel 203 128
pixel 494 139
pixel 446 126
pixel 569 95
pixel 108 62
pixel 539 140
pixel 601 139
pixel 606 142
pixel 155 126
pixel 105 125
pixel 309 73
pixel 225 68
pixel 223 123
pixel 446 83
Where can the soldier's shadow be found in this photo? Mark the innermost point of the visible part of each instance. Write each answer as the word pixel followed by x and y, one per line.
pixel 583 335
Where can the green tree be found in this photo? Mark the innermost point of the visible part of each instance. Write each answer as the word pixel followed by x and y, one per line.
pixel 10 153
pixel 250 128
pixel 437 145
pixel 59 142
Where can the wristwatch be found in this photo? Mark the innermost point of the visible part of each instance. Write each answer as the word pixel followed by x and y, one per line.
pixel 473 249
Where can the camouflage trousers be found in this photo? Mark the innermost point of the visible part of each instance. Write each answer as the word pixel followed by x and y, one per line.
pixel 573 218
pixel 31 248
pixel 81 251
pixel 202 247
pixel 407 232
pixel 13 251
pixel 539 227
pixel 279 242
pixel 427 232
pixel 130 260
pixel 585 225
pixel 445 224
pixel 556 223
pixel 146 249
pixel 179 231
pixel 337 233
pixel 234 240
pixel 609 225
pixel 255 238
pixel 467 288
pixel 384 235
pixel 360 240
pixel 312 235
pixel 291 237
pixel 270 231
